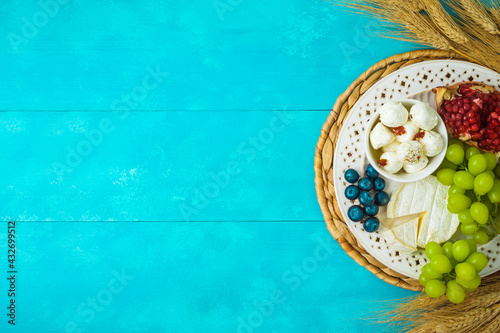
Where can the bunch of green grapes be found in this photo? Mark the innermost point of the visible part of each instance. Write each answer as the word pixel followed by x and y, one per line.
pixel 453 269
pixel 474 192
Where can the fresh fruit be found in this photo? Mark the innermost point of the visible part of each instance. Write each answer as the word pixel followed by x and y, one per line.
pixel 423 279
pixel 382 198
pixel 445 176
pixel 371 224
pixel 471 285
pixel 465 271
pixel 477 163
pixel 379 184
pixel 455 189
pixel 483 183
pixel 352 192
pixel 355 213
pixel 491 161
pixel 435 288
pixel 455 292
pixel 351 176
pixel 479 260
pixel 494 193
pixel 464 180
pixel 471 151
pixel 429 272
pixel 366 198
pixel 459 201
pixel 460 250
pixel 481 236
pixel 465 217
pixel 469 229
pixel 371 172
pixel 479 212
pixel 432 248
pixel 455 154
pixel 441 264
pixel 470 113
pixel 447 250
pixel 371 210
pixel 365 184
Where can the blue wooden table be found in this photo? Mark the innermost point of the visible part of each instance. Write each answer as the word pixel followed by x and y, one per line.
pixel 158 159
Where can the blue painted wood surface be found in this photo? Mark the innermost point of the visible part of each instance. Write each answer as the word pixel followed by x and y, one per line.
pixel 163 152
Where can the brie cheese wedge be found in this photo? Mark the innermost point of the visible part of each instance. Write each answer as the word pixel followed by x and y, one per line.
pixel 435 223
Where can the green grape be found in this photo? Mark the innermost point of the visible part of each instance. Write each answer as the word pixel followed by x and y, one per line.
pixel 472 246
pixel 447 250
pixel 463 179
pixel 460 250
pixel 430 273
pixel 455 154
pixel 479 212
pixel 470 286
pixel 441 264
pixel 465 217
pixel 432 248
pixel 455 292
pixel 423 279
pixel 465 271
pixel 494 193
pixel 481 236
pixel 471 151
pixel 435 288
pixel 448 164
pixel 477 164
pixel 459 201
pixel 455 190
pixel 491 173
pixel 456 142
pixel 483 183
pixel 469 229
pixel 497 171
pixel 479 260
pixel 452 209
pixel 445 176
pixel 492 161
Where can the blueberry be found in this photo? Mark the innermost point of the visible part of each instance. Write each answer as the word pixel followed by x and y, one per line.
pixel 366 198
pixel 355 213
pixel 351 176
pixel 371 210
pixel 382 198
pixel 365 184
pixel 352 192
pixel 379 184
pixel 371 224
pixel 371 172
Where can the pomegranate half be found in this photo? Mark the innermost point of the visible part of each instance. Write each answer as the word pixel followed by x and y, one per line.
pixel 471 113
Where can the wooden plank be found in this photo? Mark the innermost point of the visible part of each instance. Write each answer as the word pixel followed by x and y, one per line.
pixel 168 166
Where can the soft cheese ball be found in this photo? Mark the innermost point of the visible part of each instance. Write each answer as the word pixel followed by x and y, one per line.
pixel 423 116
pixel 393 114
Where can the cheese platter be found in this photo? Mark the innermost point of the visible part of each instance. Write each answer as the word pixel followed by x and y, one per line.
pixel 418 210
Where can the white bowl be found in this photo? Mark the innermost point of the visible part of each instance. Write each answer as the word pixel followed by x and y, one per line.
pixel 402 176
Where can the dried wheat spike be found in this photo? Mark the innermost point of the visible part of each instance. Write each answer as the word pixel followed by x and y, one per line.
pixel 477 13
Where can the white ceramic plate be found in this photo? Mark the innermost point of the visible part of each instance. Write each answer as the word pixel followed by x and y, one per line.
pixel 414 81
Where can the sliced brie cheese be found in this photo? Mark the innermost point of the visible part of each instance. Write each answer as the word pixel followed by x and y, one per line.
pixel 406 234
pixel 435 223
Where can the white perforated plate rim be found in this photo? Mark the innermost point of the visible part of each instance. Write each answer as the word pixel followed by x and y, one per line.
pixel 414 81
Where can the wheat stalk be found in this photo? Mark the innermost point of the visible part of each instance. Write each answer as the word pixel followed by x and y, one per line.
pixel 471 30
pixel 477 13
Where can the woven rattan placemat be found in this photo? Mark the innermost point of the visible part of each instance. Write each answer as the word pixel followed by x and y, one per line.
pixel 325 150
